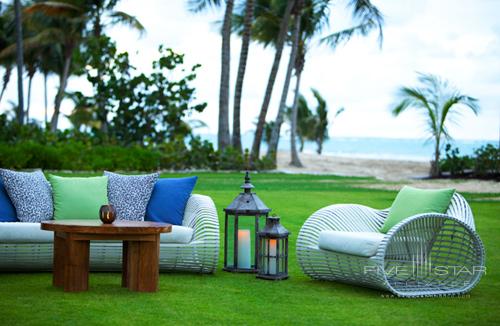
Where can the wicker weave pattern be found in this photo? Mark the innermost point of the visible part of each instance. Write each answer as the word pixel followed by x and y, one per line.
pixel 200 255
pixel 424 255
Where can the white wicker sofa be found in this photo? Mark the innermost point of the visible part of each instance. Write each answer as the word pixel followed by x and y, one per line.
pixel 192 247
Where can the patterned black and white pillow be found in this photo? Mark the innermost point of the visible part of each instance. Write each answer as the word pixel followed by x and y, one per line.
pixel 130 194
pixel 30 194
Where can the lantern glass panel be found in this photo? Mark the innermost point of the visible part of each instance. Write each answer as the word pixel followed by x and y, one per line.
pixel 241 236
pixel 273 258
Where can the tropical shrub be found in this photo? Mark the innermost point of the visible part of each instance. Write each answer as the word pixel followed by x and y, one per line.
pixel 484 163
pixel 454 163
pixel 487 161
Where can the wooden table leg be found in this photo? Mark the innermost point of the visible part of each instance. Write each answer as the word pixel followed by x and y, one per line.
pixel 59 259
pixel 125 264
pixel 76 270
pixel 142 265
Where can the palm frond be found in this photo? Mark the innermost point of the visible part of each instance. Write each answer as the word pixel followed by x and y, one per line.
pixel 365 11
pixel 45 37
pixel 467 101
pixel 412 97
pixel 319 98
pixel 366 17
pixel 128 20
pixel 339 111
pixel 197 6
pixel 401 107
pixel 54 8
pixel 341 37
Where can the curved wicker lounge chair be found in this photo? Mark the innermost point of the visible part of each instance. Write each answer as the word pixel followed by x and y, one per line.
pixel 423 255
pixel 200 255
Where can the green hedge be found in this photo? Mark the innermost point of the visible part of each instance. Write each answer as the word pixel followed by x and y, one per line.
pixel 32 146
pixel 77 156
pixel 81 156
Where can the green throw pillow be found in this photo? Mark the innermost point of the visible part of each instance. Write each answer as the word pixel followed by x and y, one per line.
pixel 412 201
pixel 78 198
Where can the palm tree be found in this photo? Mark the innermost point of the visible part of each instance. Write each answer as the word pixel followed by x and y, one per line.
pixel 366 17
pixel 5 78
pixel 31 68
pixel 439 101
pixel 320 133
pixel 6 39
pixel 245 44
pixel 279 44
pixel 305 121
pixel 268 129
pixel 312 126
pixel 49 58
pixel 66 28
pixel 19 60
pixel 223 137
pixel 273 144
pixel 314 19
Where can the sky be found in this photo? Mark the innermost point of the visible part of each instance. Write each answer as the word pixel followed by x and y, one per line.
pixel 456 39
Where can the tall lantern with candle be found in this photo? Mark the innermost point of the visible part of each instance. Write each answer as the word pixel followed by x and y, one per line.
pixel 273 250
pixel 243 219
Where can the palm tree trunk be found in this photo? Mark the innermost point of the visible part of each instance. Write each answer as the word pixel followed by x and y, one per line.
pixel 6 79
pixel 45 97
pixel 245 44
pixel 270 84
pixel 223 133
pixel 19 60
pixel 320 146
pixel 435 170
pixel 295 161
pixel 275 135
pixel 63 79
pixel 101 109
pixel 30 79
pixel 301 140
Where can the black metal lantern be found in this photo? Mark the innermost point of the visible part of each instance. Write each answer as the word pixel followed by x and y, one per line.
pixel 273 250
pixel 243 217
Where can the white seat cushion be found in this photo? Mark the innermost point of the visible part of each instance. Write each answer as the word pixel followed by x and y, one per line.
pixel 179 234
pixel 24 232
pixel 353 243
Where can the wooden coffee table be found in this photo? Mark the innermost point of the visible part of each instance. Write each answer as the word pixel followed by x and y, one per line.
pixel 141 250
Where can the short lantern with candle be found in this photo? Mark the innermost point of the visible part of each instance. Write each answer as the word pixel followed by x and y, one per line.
pixel 243 218
pixel 273 250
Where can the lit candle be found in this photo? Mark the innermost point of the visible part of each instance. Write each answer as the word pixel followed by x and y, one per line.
pixel 244 249
pixel 272 254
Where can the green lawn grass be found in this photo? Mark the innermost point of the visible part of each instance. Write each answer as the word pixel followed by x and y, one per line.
pixel 226 298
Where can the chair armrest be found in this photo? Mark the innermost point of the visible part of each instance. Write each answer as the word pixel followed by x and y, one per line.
pixel 201 215
pixel 432 248
pixel 340 217
pixel 428 232
pixel 460 209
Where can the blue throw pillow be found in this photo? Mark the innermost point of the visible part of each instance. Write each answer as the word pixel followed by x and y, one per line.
pixel 7 210
pixel 169 199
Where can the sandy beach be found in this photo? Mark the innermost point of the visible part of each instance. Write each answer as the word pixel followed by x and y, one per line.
pixel 392 173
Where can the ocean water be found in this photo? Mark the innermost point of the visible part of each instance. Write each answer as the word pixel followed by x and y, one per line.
pixel 383 148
